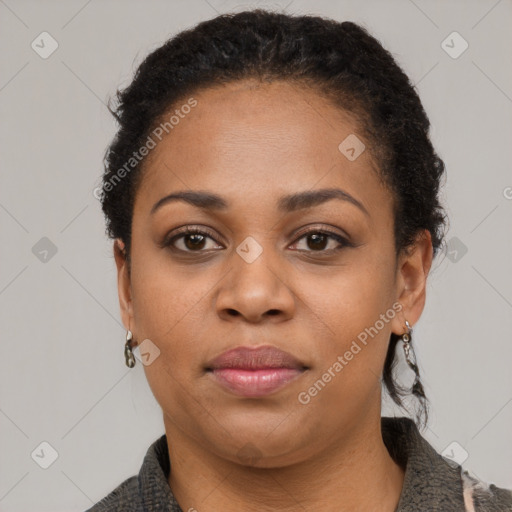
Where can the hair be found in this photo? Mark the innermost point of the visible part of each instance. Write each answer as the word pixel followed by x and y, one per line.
pixel 339 60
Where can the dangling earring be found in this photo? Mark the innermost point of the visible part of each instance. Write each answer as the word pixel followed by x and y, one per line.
pixel 417 387
pixel 128 353
pixel 406 340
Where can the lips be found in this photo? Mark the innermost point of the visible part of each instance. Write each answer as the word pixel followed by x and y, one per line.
pixel 255 372
pixel 260 358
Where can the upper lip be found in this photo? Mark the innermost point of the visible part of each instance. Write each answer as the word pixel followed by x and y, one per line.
pixel 255 358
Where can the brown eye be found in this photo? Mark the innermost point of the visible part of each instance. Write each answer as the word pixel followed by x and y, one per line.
pixel 321 241
pixel 317 241
pixel 194 241
pixel 191 239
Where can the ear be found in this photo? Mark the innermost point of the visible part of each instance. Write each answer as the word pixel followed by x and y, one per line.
pixel 123 284
pixel 411 279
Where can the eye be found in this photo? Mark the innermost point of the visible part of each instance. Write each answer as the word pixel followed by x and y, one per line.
pixel 320 240
pixel 194 239
pixel 191 239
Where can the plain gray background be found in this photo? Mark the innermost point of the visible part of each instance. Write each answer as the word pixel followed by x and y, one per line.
pixel 63 376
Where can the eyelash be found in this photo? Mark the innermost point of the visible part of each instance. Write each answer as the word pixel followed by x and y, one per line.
pixel 188 230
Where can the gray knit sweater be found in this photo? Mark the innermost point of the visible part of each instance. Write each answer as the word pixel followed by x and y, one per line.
pixel 432 483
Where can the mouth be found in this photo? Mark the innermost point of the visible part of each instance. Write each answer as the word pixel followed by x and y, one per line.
pixel 255 372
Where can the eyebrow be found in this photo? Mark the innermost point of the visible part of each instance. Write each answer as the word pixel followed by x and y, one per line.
pixel 286 204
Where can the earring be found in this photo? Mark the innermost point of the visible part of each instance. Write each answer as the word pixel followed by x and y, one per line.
pixel 406 340
pixel 417 387
pixel 128 353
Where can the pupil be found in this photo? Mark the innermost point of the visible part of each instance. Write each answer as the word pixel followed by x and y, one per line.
pixel 196 239
pixel 316 239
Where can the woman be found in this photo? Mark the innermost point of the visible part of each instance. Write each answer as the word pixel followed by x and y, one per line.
pixel 272 194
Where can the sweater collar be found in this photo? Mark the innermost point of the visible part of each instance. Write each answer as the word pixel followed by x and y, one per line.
pixel 429 481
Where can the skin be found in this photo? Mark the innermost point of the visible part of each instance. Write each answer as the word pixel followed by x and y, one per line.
pixel 253 143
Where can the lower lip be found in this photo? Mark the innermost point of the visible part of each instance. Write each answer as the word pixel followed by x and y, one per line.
pixel 254 383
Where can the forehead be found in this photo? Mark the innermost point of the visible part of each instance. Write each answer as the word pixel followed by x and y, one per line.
pixel 261 139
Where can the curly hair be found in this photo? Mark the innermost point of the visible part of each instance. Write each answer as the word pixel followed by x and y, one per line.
pixel 339 60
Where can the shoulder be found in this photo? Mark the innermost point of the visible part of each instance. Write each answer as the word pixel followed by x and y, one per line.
pixel 124 498
pixel 147 491
pixel 434 482
pixel 482 497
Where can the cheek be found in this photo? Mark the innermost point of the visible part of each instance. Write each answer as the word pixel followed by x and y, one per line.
pixel 165 297
pixel 356 295
pixel 357 310
pixel 169 309
pixel 170 312
pixel 346 380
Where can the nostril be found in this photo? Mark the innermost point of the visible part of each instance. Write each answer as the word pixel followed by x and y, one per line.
pixel 272 312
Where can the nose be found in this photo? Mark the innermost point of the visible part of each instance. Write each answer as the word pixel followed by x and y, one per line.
pixel 255 291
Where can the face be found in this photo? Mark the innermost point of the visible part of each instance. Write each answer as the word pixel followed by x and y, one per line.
pixel 315 276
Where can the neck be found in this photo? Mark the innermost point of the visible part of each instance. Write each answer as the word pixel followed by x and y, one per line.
pixel 355 473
